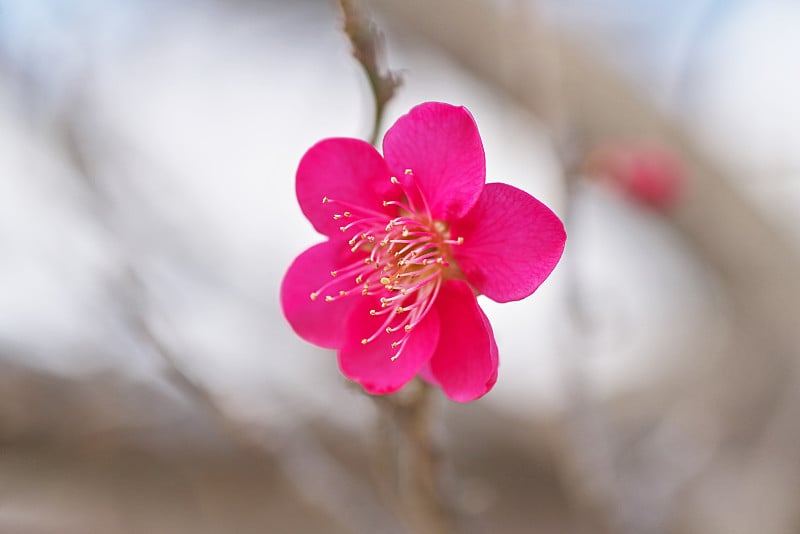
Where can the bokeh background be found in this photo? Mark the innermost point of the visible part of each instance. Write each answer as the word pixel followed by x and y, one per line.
pixel 148 382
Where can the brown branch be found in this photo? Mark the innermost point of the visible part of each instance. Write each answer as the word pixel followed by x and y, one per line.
pixel 368 49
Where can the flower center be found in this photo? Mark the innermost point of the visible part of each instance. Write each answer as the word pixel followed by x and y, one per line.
pixel 403 260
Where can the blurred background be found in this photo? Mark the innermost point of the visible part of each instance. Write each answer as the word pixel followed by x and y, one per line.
pixel 148 382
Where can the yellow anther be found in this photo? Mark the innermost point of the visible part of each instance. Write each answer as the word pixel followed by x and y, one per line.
pixel 373 312
pixel 394 346
pixel 342 228
pixel 359 279
pixel 328 298
pixel 364 341
pixel 336 217
pixel 367 260
pixel 409 171
pixel 460 240
pixel 352 242
pixel 347 214
pixel 385 203
pixel 404 291
pixel 440 260
pixel 399 309
pixel 314 295
pixel 389 330
pixel 405 231
pixel 334 273
pixel 395 180
pixel 393 358
pixel 407 328
pixel 342 293
pixel 325 200
pixel 385 280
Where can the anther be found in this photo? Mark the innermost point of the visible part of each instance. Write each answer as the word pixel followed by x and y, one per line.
pixel 334 273
pixel 373 312
pixel 364 341
pixel 460 240
pixel 399 309
pixel 314 295
pixel 409 171
pixel 325 200
pixel 347 214
pixel 394 346
pixel 342 228
pixel 385 280
pixel 328 298
pixel 394 180
pixel 342 293
pixel 359 279
pixel 336 216
pixel 407 328
pixel 389 330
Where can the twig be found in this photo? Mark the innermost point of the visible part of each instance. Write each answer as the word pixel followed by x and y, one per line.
pixel 411 462
pixel 368 49
pixel 408 463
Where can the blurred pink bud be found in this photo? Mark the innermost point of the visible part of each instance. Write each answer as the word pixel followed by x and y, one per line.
pixel 648 174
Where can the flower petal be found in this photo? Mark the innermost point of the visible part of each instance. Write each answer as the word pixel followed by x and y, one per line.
pixel 370 365
pixel 465 362
pixel 441 144
pixel 511 244
pixel 317 321
pixel 348 170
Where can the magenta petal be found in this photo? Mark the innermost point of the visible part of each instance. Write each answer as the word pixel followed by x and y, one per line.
pixel 511 244
pixel 370 365
pixel 441 145
pixel 316 321
pixel 347 170
pixel 465 362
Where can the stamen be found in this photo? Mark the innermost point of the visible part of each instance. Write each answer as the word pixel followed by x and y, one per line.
pixel 409 252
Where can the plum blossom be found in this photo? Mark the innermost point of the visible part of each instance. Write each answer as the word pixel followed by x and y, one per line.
pixel 412 237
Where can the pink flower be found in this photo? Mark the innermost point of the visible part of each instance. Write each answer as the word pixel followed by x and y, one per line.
pixel 413 236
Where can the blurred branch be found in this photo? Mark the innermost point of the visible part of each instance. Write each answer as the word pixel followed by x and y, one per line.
pixel 410 462
pixel 368 49
pixel 329 485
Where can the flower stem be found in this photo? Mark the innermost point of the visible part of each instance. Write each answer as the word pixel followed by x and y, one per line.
pixel 410 461
pixel 368 49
